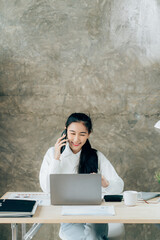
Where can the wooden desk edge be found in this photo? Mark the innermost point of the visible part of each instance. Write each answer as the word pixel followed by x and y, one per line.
pixel 73 219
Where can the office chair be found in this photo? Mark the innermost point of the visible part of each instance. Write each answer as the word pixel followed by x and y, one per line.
pixel 116 231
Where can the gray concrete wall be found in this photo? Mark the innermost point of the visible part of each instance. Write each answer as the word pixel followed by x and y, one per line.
pixel 98 57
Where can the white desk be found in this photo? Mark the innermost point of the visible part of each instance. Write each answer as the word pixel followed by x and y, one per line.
pixel 142 213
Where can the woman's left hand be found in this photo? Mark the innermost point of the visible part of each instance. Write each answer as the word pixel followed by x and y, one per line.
pixel 104 182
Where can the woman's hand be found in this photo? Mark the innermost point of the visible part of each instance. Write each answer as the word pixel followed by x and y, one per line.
pixel 57 148
pixel 104 182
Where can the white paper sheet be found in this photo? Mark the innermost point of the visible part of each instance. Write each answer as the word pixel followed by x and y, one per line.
pixel 43 199
pixel 88 210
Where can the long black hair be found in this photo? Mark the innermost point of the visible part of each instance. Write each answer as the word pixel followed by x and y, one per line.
pixel 88 162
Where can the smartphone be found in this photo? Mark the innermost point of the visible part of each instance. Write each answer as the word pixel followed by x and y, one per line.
pixel 63 133
pixel 113 198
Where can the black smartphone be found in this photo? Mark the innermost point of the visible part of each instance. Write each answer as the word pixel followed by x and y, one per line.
pixel 113 198
pixel 63 133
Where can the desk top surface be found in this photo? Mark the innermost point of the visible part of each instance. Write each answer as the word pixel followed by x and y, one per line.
pixel 141 213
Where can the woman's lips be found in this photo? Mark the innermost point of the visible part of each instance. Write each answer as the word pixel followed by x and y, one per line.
pixel 76 145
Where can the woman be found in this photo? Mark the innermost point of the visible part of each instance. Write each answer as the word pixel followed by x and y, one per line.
pixel 79 157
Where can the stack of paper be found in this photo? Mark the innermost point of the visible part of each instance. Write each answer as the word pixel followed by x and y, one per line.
pixel 88 210
pixel 43 199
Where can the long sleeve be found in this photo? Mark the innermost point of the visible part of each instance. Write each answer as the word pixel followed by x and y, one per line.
pixel 67 164
pixel 116 184
pixel 49 166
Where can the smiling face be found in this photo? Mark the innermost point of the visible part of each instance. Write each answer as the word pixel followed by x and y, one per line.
pixel 77 135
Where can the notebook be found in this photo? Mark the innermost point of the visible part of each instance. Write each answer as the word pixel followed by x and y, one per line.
pixel 75 189
pixel 149 195
pixel 17 208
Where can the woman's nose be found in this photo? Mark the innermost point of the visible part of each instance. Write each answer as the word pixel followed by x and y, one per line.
pixel 76 139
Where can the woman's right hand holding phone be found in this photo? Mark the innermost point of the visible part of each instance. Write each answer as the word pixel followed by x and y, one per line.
pixel 59 144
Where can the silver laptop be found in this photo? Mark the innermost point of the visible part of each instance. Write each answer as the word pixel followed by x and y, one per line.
pixel 75 189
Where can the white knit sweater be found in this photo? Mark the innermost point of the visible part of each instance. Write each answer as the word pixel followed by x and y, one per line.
pixel 68 164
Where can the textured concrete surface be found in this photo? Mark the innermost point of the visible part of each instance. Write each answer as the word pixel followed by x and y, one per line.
pixel 98 57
